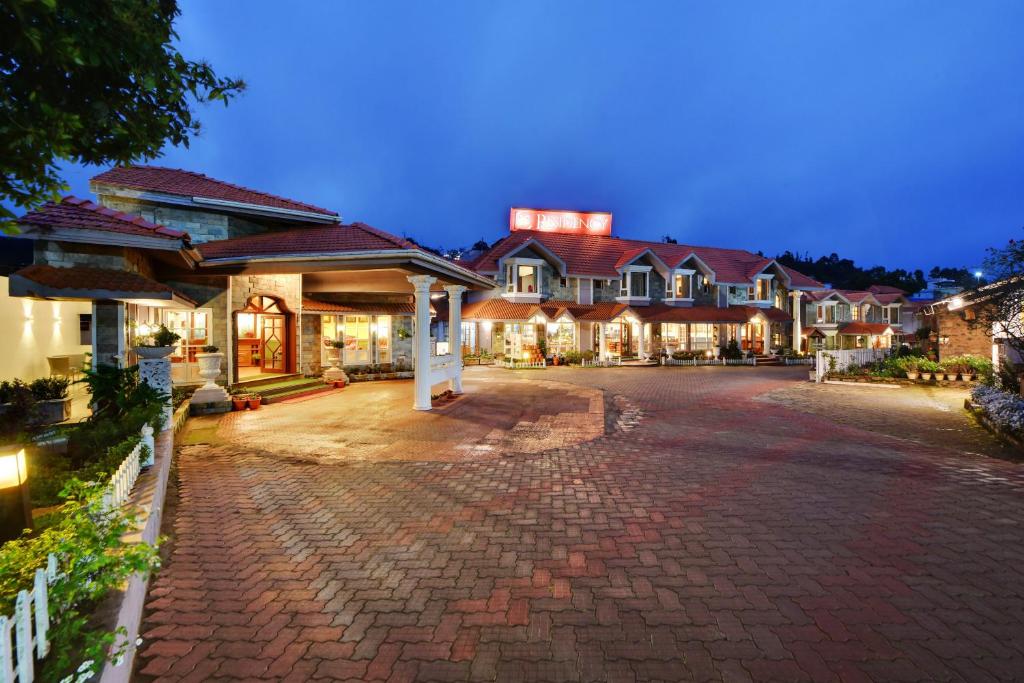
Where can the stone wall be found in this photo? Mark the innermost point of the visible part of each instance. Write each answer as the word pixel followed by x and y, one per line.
pixel 963 338
pixel 309 353
pixel 606 292
pixel 202 226
pixel 70 254
pixel 287 288
pixel 108 325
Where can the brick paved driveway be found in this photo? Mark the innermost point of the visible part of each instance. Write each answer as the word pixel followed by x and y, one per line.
pixel 723 537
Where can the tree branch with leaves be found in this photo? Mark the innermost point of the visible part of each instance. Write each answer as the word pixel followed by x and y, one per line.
pixel 92 82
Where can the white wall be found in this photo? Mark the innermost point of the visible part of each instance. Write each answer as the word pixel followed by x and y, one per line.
pixel 31 330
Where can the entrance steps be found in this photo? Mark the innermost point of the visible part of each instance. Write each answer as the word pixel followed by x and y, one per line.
pixel 769 360
pixel 279 388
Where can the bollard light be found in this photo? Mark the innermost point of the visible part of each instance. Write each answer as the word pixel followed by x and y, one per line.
pixel 15 509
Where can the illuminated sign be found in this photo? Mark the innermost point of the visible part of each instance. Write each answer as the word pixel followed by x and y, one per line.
pixel 572 222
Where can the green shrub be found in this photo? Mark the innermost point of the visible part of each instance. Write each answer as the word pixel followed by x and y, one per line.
pixel 93 560
pixel 588 355
pixel 732 350
pixel 50 388
pixel 572 357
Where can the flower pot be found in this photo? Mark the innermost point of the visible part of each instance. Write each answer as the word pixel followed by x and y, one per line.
pixel 254 403
pixel 238 403
pixel 152 352
pixel 926 376
pixel 339 384
pixel 52 411
pixel 967 376
pixel 912 375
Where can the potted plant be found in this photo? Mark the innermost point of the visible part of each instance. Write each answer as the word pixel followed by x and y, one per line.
pixel 254 400
pixel 238 400
pixel 910 366
pixel 52 401
pixel 161 346
pixel 928 368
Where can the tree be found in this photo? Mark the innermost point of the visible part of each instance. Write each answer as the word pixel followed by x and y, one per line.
pixel 843 273
pixel 669 239
pixel 93 82
pixel 999 307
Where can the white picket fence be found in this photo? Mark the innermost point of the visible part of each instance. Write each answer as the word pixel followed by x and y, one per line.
pixel 844 358
pixel 803 360
pixel 610 362
pixel 514 364
pixel 18 658
pixel 712 361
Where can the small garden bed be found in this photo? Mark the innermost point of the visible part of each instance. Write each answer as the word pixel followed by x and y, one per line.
pixel 375 376
pixel 1000 411
pixel 909 369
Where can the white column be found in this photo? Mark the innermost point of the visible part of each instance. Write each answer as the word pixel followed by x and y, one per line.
pixel 455 335
pixel 640 341
pixel 602 344
pixel 798 328
pixel 421 340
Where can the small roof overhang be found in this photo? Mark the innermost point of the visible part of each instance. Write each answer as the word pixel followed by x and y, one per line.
pixel 94 284
pixel 408 261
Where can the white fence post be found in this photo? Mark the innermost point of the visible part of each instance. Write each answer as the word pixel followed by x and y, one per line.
pixel 42 610
pixel 6 654
pixel 23 637
pixel 149 442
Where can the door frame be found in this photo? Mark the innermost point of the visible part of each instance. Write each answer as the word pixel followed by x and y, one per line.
pixel 290 345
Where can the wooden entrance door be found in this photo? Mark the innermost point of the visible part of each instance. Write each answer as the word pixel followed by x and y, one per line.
pixel 274 343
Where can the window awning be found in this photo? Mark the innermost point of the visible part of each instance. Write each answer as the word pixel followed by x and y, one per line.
pixel 81 283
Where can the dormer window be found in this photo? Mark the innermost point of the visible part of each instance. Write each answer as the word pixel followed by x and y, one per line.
pixel 523 279
pixel 827 312
pixel 762 289
pixel 891 314
pixel 680 285
pixel 635 285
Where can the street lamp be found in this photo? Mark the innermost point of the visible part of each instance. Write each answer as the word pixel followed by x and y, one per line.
pixel 977 276
pixel 15 509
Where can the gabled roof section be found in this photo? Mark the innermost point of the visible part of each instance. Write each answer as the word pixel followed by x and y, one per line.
pixel 539 246
pixel 633 255
pixel 498 308
pixel 176 181
pixel 73 213
pixel 600 255
pixel 308 240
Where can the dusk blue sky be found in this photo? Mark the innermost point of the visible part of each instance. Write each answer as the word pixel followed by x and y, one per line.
pixel 890 132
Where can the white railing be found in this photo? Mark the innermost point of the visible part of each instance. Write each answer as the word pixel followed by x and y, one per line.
pixel 610 362
pixel 804 360
pixel 31 609
pixel 712 361
pixel 17 659
pixel 843 359
pixel 443 368
pixel 513 364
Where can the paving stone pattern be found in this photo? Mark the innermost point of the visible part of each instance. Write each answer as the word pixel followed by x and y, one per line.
pixel 705 535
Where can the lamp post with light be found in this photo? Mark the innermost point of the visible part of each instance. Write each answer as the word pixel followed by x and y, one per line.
pixel 15 508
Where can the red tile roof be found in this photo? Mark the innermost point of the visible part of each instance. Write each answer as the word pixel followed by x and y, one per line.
pixel 864 328
pixel 600 256
pixel 498 308
pixel 314 239
pixel 183 183
pixel 360 307
pixel 662 313
pixel 83 214
pixel 886 289
pixel 83 279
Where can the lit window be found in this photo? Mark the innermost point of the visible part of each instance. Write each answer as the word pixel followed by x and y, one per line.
pixel 682 286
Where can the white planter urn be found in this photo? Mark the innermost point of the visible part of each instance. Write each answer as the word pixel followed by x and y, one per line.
pixel 334 373
pixel 152 352
pixel 209 370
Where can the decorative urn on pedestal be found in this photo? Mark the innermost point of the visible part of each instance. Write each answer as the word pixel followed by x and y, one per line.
pixel 209 369
pixel 334 373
